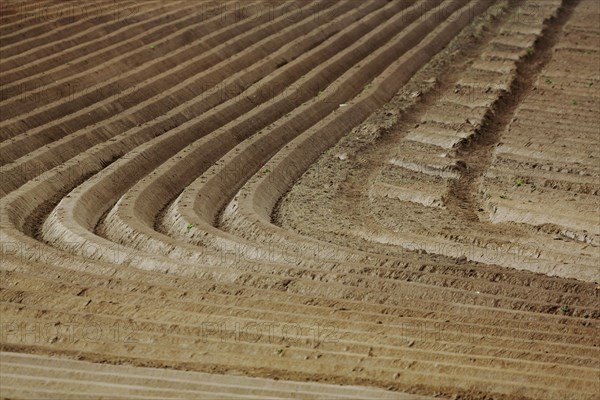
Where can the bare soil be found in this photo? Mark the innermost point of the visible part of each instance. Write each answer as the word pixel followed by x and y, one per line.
pixel 318 199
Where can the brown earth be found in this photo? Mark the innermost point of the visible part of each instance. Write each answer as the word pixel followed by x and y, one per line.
pixel 273 199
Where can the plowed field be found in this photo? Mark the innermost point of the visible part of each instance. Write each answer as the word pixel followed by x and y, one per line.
pixel 310 199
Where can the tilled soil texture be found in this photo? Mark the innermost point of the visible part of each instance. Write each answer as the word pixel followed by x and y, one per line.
pixel 273 199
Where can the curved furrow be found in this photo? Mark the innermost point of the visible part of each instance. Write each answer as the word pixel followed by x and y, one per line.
pixel 142 61
pixel 120 255
pixel 196 230
pixel 175 140
pixel 125 89
pixel 226 244
pixel 269 181
pixel 208 149
pixel 193 125
pixel 84 171
pixel 113 251
pixel 504 253
pixel 21 68
pixel 75 170
pixel 266 181
pixel 290 197
pixel 204 73
pixel 213 86
pixel 136 231
pixel 45 72
pixel 251 212
pixel 223 179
